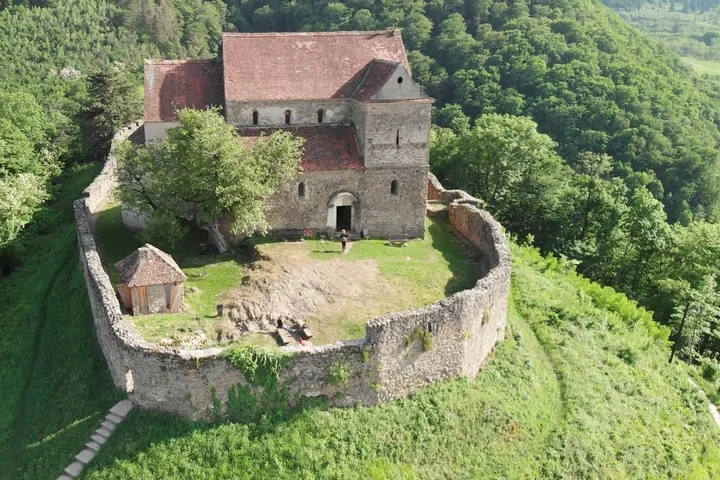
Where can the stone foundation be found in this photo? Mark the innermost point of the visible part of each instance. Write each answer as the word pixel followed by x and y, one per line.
pixel 463 329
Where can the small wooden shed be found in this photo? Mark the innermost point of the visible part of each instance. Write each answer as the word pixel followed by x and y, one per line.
pixel 152 282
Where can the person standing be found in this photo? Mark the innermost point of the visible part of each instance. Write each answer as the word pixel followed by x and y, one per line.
pixel 343 239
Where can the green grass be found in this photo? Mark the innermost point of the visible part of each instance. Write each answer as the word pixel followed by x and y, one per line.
pixel 423 272
pixel 709 67
pixel 53 378
pixel 209 276
pixel 580 388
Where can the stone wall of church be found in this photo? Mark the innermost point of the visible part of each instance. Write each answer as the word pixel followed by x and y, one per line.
pixel 302 113
pixel 397 134
pixel 379 212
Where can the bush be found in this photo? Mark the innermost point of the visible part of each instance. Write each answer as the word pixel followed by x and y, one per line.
pixel 710 369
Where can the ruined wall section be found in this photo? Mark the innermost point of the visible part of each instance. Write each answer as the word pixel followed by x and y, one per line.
pixel 390 362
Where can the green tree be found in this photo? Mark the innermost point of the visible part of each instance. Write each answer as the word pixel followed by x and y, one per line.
pixel 505 161
pixel 114 102
pixel 20 197
pixel 201 173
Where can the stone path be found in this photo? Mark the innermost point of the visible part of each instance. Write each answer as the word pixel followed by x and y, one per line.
pixel 107 427
pixel 713 409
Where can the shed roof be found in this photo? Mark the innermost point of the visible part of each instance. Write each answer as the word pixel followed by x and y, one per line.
pixel 149 265
pixel 305 65
pixel 325 147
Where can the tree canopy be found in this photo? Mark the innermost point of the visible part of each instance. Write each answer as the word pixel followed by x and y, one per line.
pixel 203 172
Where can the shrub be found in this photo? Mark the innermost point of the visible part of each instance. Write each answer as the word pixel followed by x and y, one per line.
pixel 709 369
pixel 339 374
pixel 260 365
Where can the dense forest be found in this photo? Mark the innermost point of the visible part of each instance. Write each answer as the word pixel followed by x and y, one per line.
pixel 580 132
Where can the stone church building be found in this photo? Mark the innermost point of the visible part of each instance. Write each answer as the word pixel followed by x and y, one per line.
pixel 350 95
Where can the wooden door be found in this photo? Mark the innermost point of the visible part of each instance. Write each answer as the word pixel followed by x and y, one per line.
pixel 174 300
pixel 143 300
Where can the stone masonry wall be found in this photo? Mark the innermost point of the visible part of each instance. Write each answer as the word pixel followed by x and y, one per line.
pixel 384 365
pixel 304 113
pixel 379 214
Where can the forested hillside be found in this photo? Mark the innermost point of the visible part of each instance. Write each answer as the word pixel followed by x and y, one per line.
pixel 583 135
pixel 58 65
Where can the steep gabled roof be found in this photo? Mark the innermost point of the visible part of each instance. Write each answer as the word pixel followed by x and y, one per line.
pixel 172 84
pixel 377 75
pixel 303 66
pixel 149 266
pixel 325 148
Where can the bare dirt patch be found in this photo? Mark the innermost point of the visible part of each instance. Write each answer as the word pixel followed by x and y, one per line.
pixel 286 284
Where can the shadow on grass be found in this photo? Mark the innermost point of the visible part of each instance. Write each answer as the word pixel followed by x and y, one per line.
pixel 144 430
pixel 465 271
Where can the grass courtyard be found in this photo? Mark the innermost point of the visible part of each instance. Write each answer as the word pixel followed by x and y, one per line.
pixel 371 279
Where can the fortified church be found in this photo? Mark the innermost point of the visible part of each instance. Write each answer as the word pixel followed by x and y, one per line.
pixel 350 95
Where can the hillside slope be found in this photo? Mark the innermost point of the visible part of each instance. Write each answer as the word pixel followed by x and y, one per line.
pixel 580 388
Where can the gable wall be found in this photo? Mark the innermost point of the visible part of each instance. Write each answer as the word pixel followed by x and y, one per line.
pixel 405 90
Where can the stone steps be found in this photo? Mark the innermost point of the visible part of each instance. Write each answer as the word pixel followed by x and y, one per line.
pixel 97 439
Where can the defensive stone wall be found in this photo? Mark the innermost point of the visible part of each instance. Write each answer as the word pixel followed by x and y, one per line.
pixel 401 352
pixel 100 191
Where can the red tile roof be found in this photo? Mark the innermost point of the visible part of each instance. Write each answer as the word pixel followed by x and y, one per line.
pixel 171 84
pixel 303 66
pixel 377 75
pixel 149 266
pixel 326 148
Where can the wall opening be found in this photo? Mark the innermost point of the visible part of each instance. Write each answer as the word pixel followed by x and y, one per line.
pixel 400 79
pixel 255 117
pixel 397 138
pixel 301 189
pixel 343 221
pixel 394 187
pixel 321 115
pixel 343 212
pixel 288 113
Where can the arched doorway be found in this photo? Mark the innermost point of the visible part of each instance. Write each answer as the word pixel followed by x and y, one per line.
pixel 343 210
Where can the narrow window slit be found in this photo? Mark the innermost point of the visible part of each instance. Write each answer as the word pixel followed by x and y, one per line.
pixel 321 115
pixel 255 117
pixel 287 117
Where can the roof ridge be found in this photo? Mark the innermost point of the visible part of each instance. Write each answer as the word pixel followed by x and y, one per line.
pixel 309 34
pixel 161 61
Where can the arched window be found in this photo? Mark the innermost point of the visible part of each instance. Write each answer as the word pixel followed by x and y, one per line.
pixel 287 117
pixel 321 114
pixel 394 187
pixel 256 117
pixel 301 189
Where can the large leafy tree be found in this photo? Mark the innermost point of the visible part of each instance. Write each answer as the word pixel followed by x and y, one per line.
pixel 27 161
pixel 202 172
pixel 505 161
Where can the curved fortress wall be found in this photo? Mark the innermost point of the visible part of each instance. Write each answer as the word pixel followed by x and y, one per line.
pixel 393 360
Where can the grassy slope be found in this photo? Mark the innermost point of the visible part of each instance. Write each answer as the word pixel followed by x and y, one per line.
pixel 53 378
pixel 579 389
